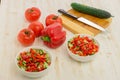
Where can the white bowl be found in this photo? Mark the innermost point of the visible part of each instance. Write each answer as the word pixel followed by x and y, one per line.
pixel 33 74
pixel 82 58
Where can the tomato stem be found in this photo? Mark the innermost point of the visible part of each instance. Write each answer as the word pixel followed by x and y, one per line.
pixel 27 33
pixel 55 17
pixel 31 10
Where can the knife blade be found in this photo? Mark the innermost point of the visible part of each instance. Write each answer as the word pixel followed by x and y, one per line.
pixel 82 19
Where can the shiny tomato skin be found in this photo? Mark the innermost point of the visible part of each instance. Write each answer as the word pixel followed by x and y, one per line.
pixel 37 27
pixel 52 18
pixel 32 14
pixel 26 37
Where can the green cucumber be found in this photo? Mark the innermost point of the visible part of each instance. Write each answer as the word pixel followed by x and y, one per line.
pixel 91 10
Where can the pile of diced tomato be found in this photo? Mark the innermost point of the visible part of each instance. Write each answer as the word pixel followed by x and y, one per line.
pixel 83 45
pixel 34 60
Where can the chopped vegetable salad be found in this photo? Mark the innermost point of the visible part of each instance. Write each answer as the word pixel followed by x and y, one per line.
pixel 34 60
pixel 83 45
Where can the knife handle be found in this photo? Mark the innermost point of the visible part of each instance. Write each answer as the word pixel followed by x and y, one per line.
pixel 67 14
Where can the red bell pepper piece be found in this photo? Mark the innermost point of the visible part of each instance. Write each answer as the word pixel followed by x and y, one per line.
pixel 53 35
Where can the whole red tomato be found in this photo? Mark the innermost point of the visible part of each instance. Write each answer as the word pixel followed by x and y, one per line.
pixel 37 27
pixel 32 14
pixel 50 19
pixel 26 37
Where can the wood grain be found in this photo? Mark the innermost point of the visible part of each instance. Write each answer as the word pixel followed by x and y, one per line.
pixel 73 27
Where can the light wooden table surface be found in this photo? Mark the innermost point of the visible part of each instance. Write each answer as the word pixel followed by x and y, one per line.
pixel 105 67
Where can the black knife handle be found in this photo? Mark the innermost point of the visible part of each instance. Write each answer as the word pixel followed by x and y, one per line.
pixel 67 14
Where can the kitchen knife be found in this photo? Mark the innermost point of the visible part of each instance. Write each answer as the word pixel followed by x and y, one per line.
pixel 82 19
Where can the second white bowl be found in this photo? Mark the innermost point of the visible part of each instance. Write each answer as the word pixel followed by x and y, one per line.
pixel 82 58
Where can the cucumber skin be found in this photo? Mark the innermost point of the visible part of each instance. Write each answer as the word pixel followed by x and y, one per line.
pixel 91 10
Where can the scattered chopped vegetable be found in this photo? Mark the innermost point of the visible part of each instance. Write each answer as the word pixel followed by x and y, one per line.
pixel 34 60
